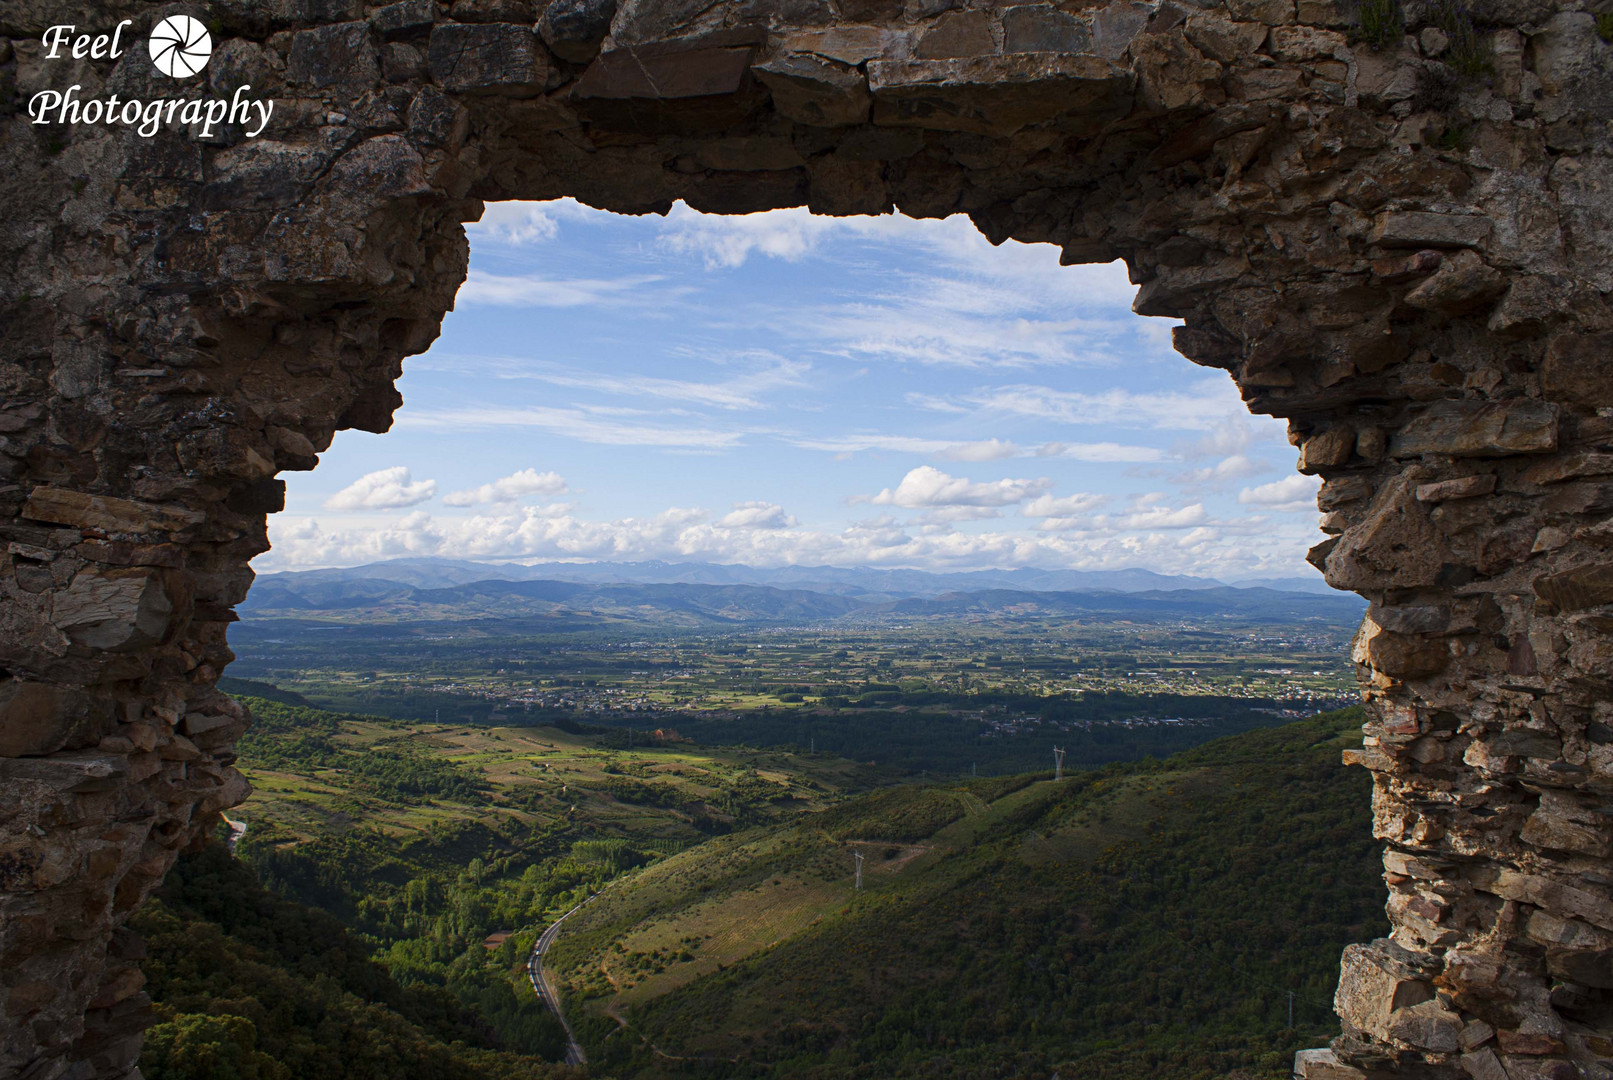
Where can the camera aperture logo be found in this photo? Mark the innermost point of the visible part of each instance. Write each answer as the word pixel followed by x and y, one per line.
pixel 180 48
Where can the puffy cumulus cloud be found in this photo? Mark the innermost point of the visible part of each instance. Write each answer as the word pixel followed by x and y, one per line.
pixel 1065 506
pixel 756 515
pixel 927 486
pixel 1290 493
pixel 518 485
pixel 384 489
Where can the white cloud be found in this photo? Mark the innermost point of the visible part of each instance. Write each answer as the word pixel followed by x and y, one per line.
pixel 1101 453
pixel 927 486
pixel 1206 405
pixel 1162 517
pixel 744 391
pixel 1048 506
pixel 982 450
pixel 517 485
pixel 756 515
pixel 1235 467
pixel 532 290
pixel 1170 545
pixel 584 425
pixel 515 224
pixel 384 489
pixel 1290 493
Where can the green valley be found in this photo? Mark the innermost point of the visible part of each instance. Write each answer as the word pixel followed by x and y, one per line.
pixel 1145 918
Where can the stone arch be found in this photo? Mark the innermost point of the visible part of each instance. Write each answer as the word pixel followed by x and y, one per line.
pixel 1403 250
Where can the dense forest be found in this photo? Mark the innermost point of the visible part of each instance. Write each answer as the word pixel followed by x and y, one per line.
pixel 249 985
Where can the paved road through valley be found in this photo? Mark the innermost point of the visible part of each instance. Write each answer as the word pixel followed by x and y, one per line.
pixel 544 986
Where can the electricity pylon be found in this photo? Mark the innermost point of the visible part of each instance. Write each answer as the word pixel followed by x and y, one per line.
pixel 1058 764
pixel 859 857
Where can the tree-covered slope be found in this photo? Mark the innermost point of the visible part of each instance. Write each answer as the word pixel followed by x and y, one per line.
pixel 1147 920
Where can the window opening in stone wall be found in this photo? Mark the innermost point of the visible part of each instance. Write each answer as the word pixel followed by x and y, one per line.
pixel 689 526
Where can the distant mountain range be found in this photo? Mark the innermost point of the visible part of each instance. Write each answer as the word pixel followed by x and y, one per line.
pixel 848 581
pixel 436 590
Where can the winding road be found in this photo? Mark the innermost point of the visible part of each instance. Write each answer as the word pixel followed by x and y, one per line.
pixel 544 987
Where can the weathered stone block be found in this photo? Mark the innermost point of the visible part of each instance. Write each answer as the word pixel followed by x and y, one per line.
pixel 64 507
pixel 493 11
pixel 1465 487
pixel 1428 1026
pixel 1270 12
pixel 1580 588
pixel 1401 656
pixel 1324 1065
pixel 1416 228
pixel 114 610
pixel 1224 40
pixel 1375 982
pixel 1562 822
pixel 666 75
pixel 574 29
pixel 343 56
pixel 1578 369
pixel 1331 447
pixel 1295 44
pixel 998 95
pixel 1115 27
pixel 955 35
pixel 404 17
pixel 1044 28
pixel 40 718
pixel 1555 897
pixel 1461 429
pixel 487 58
pixel 849 45
pixel 1463 283
pixel 811 90
pixel 78 771
pixel 1394 545
pixel 1483 1065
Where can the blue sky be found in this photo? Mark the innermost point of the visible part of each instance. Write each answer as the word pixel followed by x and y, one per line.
pixel 780 388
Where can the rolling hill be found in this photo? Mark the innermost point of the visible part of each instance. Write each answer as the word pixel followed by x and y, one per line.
pixel 1147 920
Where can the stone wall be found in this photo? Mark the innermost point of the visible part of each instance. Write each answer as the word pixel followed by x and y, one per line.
pixel 1404 246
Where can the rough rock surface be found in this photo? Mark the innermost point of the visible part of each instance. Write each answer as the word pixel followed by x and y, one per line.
pixel 1408 263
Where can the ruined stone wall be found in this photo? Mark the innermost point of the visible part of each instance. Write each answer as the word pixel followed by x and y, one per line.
pixel 1405 250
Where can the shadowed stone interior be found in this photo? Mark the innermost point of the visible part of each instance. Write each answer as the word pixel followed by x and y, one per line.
pixel 1405 252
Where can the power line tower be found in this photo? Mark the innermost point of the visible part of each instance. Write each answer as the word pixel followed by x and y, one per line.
pixel 1058 764
pixel 859 857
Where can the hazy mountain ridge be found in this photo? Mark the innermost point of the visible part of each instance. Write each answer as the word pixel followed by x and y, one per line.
pixel 286 596
pixel 433 573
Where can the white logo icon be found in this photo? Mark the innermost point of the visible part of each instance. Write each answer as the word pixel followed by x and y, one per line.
pixel 180 46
